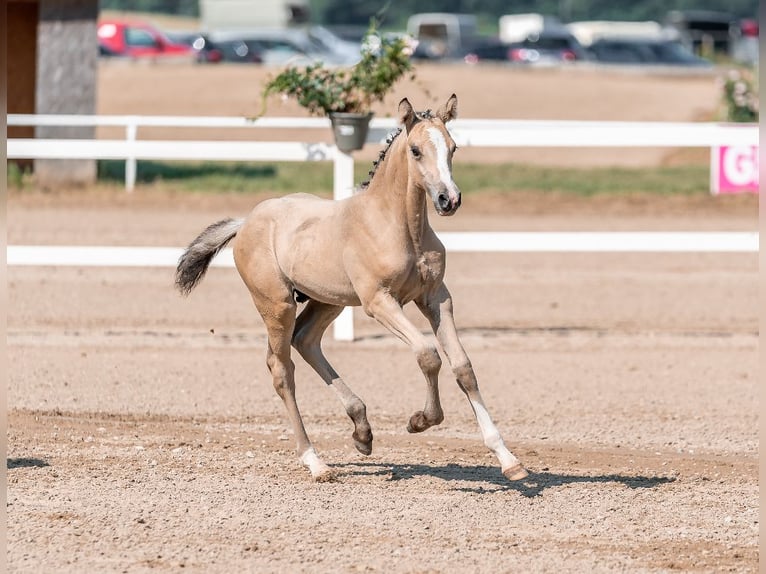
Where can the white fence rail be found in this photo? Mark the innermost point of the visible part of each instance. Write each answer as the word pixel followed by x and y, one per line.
pixel 469 132
pixel 455 242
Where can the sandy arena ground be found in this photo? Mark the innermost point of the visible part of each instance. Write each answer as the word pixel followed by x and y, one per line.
pixel 144 434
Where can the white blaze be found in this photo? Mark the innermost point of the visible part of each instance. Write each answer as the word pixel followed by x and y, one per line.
pixel 437 138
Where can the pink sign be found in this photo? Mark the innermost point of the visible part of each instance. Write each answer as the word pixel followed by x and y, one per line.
pixel 734 169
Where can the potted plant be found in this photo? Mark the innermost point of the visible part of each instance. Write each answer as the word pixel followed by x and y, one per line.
pixel 346 95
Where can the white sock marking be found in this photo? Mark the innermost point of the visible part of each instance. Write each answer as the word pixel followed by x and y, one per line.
pixel 310 458
pixel 492 437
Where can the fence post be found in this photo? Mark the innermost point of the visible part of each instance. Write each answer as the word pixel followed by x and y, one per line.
pixel 131 130
pixel 343 187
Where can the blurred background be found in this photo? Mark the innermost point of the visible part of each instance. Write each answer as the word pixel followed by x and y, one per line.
pixel 546 59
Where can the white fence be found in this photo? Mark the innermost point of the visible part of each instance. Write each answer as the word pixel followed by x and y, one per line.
pixel 480 133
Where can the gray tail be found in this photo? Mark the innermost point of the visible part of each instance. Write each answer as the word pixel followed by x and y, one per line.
pixel 196 259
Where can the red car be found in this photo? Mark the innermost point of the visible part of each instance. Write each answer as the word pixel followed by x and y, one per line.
pixel 137 40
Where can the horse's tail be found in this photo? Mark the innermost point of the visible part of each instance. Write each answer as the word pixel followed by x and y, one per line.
pixel 197 257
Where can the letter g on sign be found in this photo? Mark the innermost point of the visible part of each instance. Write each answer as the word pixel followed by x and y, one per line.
pixel 740 164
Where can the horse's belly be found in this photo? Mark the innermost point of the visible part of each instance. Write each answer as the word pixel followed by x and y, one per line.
pixel 313 263
pixel 324 281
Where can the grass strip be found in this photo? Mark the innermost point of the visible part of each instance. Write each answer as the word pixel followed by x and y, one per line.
pixel 289 177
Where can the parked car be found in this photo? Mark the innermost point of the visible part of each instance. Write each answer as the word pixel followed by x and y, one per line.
pixel 233 51
pixel 655 52
pixel 441 35
pixel 488 51
pixel 343 51
pixel 550 46
pixel 135 39
pixel 279 46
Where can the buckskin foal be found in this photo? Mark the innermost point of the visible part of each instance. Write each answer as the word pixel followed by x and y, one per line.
pixel 375 249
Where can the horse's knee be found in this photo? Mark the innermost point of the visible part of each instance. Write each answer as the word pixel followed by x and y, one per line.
pixel 429 360
pixel 282 374
pixel 464 375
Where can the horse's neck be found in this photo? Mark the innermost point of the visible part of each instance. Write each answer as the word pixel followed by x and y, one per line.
pixel 392 182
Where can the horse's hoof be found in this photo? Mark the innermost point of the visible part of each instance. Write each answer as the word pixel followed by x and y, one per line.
pixel 418 423
pixel 364 447
pixel 363 441
pixel 515 472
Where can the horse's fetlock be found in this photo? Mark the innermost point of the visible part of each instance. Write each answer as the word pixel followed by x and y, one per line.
pixel 356 409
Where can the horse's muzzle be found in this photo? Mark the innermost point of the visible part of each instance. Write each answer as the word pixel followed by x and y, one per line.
pixel 446 205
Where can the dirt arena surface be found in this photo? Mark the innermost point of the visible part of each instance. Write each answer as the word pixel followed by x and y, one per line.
pixel 144 434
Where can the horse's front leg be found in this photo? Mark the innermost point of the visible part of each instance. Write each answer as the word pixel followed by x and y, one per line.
pixel 388 312
pixel 437 308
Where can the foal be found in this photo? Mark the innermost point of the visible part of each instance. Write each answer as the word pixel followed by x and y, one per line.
pixel 375 249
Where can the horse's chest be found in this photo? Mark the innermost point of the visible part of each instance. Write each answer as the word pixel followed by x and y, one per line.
pixel 417 274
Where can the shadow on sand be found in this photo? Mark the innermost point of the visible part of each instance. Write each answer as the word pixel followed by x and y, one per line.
pixel 25 463
pixel 489 479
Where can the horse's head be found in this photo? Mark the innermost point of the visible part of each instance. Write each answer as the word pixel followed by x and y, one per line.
pixel 429 153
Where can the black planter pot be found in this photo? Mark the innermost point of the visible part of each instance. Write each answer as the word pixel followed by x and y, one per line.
pixel 350 130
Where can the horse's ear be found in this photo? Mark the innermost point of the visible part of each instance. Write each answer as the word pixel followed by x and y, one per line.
pixel 406 114
pixel 449 110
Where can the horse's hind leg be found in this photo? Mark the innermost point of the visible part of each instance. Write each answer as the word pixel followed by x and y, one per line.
pixel 279 317
pixel 309 328
pixel 437 308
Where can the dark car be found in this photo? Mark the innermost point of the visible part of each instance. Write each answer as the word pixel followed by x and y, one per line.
pixel 554 46
pixel 236 51
pixel 548 46
pixel 645 52
pixel 490 51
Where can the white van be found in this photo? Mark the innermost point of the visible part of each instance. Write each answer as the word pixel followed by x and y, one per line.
pixel 441 34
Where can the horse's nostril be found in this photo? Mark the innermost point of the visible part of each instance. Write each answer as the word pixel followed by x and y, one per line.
pixel 443 200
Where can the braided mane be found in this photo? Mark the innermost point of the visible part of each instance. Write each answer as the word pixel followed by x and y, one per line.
pixel 426 115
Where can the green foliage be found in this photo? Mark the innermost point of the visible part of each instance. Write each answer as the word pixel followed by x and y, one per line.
pixel 740 95
pixel 507 178
pixel 178 7
pixel 224 177
pixel 323 90
pixel 17 178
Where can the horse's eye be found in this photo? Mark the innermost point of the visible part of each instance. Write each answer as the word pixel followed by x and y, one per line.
pixel 415 152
